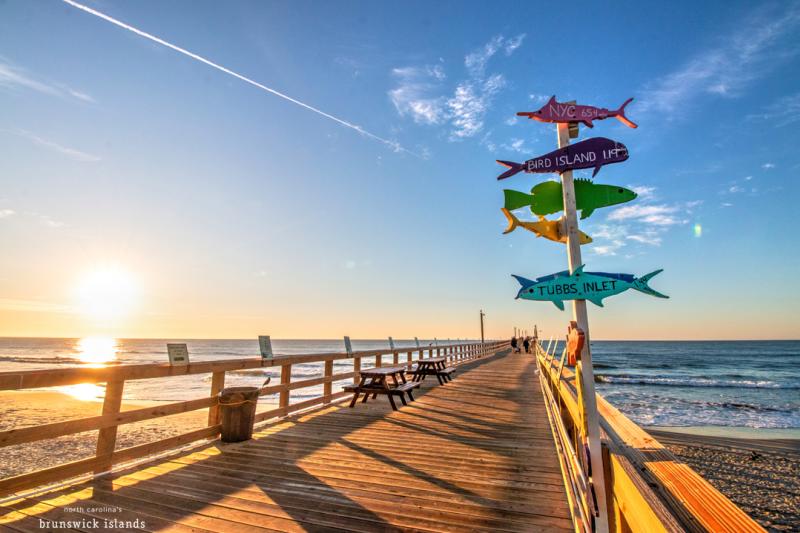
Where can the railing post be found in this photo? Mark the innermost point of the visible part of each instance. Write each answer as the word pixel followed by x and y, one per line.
pixel 408 364
pixel 396 358
pixel 327 387
pixel 107 437
pixel 378 360
pixel 286 379
pixel 357 370
pixel 217 384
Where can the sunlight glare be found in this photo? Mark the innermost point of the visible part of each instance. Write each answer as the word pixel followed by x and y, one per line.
pixel 107 294
pixel 97 350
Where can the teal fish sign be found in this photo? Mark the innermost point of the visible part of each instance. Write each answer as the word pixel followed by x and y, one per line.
pixel 580 285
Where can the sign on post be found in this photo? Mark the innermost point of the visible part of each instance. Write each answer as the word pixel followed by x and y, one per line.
pixel 347 346
pixel 591 153
pixel 265 345
pixel 416 340
pixel 178 354
pixel 554 111
pixel 580 285
pixel 547 197
pixel 391 344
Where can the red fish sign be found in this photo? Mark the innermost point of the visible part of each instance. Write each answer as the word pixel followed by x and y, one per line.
pixel 575 341
pixel 553 111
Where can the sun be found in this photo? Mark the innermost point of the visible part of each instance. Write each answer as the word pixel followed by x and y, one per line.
pixel 107 294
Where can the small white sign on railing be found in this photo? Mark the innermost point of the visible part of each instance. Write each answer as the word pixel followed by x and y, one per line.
pixel 347 345
pixel 265 345
pixel 391 344
pixel 436 341
pixel 178 354
pixel 417 341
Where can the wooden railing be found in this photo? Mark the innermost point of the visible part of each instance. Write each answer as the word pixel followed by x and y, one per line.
pixel 115 377
pixel 647 487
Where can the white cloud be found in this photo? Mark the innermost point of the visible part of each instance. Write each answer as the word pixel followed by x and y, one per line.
pixel 726 69
pixel 748 178
pixel 660 215
pixel 12 77
pixel 420 91
pixel 768 166
pixel 34 306
pixel 727 204
pixel 643 192
pixel 511 121
pixel 539 98
pixel 4 213
pixel 77 155
pixel 49 222
pixel 733 189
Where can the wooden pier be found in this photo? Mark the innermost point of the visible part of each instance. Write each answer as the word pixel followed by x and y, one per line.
pixel 495 449
pixel 476 453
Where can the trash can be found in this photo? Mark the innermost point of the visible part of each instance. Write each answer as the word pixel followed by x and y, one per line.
pixel 238 405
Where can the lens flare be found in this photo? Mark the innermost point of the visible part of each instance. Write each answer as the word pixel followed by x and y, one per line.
pixel 698 230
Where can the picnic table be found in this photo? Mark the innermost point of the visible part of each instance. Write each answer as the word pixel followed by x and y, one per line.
pixel 376 381
pixel 433 366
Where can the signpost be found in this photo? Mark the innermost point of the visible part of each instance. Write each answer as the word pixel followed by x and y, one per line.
pixel 265 345
pixel 416 340
pixel 391 344
pixel 178 354
pixel 348 347
pixel 482 315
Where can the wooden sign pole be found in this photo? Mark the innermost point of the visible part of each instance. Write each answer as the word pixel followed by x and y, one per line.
pixel 581 317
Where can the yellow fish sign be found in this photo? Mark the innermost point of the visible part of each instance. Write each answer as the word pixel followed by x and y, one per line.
pixel 549 229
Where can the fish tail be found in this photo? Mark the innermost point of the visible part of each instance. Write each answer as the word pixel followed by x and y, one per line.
pixel 516 199
pixel 514 168
pixel 620 114
pixel 513 222
pixel 641 284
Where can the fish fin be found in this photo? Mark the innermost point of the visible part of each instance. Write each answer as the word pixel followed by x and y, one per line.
pixel 596 170
pixel 586 213
pixel 620 114
pixel 596 301
pixel 515 199
pixel 588 123
pixel 552 100
pixel 513 222
pixel 642 286
pixel 525 282
pixel 578 270
pixel 559 304
pixel 514 168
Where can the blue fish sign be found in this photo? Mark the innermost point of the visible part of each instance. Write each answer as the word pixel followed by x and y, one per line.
pixel 580 285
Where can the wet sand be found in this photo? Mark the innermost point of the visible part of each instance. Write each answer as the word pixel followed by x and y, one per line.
pixel 762 476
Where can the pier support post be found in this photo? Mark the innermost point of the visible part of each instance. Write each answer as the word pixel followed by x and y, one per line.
pixel 585 362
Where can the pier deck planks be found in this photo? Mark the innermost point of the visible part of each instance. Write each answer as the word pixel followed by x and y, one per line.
pixel 474 454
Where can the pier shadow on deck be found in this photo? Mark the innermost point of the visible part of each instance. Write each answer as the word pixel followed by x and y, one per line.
pixel 475 454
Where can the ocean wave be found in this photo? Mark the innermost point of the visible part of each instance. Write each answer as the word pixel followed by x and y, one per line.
pixel 694 382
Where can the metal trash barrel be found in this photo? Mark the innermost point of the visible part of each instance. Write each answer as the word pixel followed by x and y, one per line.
pixel 238 405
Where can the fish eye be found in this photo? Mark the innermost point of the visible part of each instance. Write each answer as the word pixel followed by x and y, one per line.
pixel 619 190
pixel 530 291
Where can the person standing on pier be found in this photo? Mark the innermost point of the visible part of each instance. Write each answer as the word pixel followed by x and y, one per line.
pixel 527 345
pixel 514 348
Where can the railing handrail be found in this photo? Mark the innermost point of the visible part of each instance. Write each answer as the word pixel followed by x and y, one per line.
pixel 648 487
pixel 56 377
pixel 112 417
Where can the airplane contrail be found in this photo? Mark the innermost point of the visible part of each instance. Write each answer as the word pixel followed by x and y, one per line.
pixel 392 144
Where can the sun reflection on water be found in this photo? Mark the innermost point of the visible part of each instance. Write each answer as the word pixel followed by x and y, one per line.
pixel 97 351
pixel 92 352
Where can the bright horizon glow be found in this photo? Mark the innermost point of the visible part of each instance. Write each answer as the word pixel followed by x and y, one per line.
pixel 97 350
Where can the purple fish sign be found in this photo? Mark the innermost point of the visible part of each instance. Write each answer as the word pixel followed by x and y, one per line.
pixel 594 152
pixel 553 111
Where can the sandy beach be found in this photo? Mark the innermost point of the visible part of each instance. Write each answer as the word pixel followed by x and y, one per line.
pixel 762 476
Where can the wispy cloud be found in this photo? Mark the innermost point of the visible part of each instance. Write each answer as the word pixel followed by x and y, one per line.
pixel 782 112
pixel 5 213
pixel 768 166
pixel 34 306
pixel 394 145
pixel 421 92
pixel 643 223
pixel 14 78
pixel 72 153
pixel 755 48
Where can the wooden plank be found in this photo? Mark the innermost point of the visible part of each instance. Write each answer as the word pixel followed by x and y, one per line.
pixel 69 427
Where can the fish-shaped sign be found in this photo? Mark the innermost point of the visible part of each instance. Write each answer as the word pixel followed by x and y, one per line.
pixel 591 153
pixel 553 111
pixel 580 285
pixel 546 198
pixel 549 229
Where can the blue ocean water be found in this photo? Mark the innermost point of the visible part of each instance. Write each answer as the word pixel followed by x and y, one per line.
pixel 753 384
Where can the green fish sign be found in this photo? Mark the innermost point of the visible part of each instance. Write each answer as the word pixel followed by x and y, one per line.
pixel 546 198
pixel 580 285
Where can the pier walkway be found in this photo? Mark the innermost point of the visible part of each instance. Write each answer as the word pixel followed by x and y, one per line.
pixel 474 454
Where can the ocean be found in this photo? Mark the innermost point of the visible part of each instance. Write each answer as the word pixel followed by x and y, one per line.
pixel 746 384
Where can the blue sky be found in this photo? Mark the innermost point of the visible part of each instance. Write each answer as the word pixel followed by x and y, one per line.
pixel 238 212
